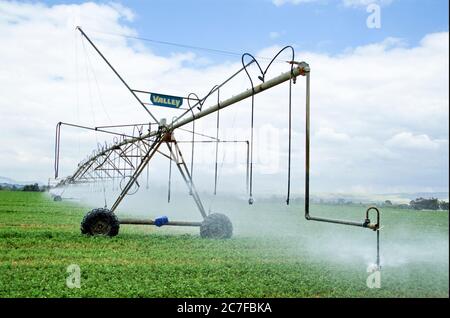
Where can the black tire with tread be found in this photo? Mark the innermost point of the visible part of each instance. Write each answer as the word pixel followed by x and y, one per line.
pixel 100 222
pixel 216 225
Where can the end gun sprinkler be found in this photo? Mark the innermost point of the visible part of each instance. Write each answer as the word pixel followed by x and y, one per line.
pixel 367 223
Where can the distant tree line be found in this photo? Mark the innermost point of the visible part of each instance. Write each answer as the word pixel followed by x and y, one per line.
pixel 27 188
pixel 421 204
pixel 31 188
pixel 417 204
pixel 428 204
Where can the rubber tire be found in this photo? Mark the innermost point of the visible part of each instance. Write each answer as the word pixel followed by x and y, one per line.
pixel 57 198
pixel 105 216
pixel 217 226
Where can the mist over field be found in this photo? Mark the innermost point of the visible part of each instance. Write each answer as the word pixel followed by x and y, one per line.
pixel 407 236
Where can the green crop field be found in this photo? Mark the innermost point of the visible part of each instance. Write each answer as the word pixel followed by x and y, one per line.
pixel 40 238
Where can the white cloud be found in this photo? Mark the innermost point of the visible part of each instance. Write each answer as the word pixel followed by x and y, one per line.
pixel 407 140
pixel 325 134
pixel 372 106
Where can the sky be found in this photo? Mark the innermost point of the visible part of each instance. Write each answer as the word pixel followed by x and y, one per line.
pixel 379 76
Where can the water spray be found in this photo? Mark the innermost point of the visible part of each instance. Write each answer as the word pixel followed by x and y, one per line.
pixel 366 223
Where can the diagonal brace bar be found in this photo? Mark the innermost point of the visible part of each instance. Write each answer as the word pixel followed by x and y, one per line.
pixel 153 149
pixel 184 171
pixel 115 72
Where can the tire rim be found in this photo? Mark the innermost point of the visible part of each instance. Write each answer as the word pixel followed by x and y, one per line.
pixel 101 227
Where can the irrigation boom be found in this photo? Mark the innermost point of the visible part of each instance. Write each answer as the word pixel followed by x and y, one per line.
pixel 126 159
pixel 302 69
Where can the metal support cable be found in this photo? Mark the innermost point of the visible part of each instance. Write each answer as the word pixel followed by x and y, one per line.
pixel 147 178
pixel 198 134
pixel 95 129
pixel 290 145
pixel 250 199
pixel 115 72
pixel 262 78
pixel 170 178
pixel 217 142
pixel 57 145
pixel 193 130
pixel 216 87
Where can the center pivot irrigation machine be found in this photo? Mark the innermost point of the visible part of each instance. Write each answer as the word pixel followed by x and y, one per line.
pixel 127 157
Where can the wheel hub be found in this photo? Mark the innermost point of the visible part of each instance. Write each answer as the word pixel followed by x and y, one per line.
pixel 101 227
